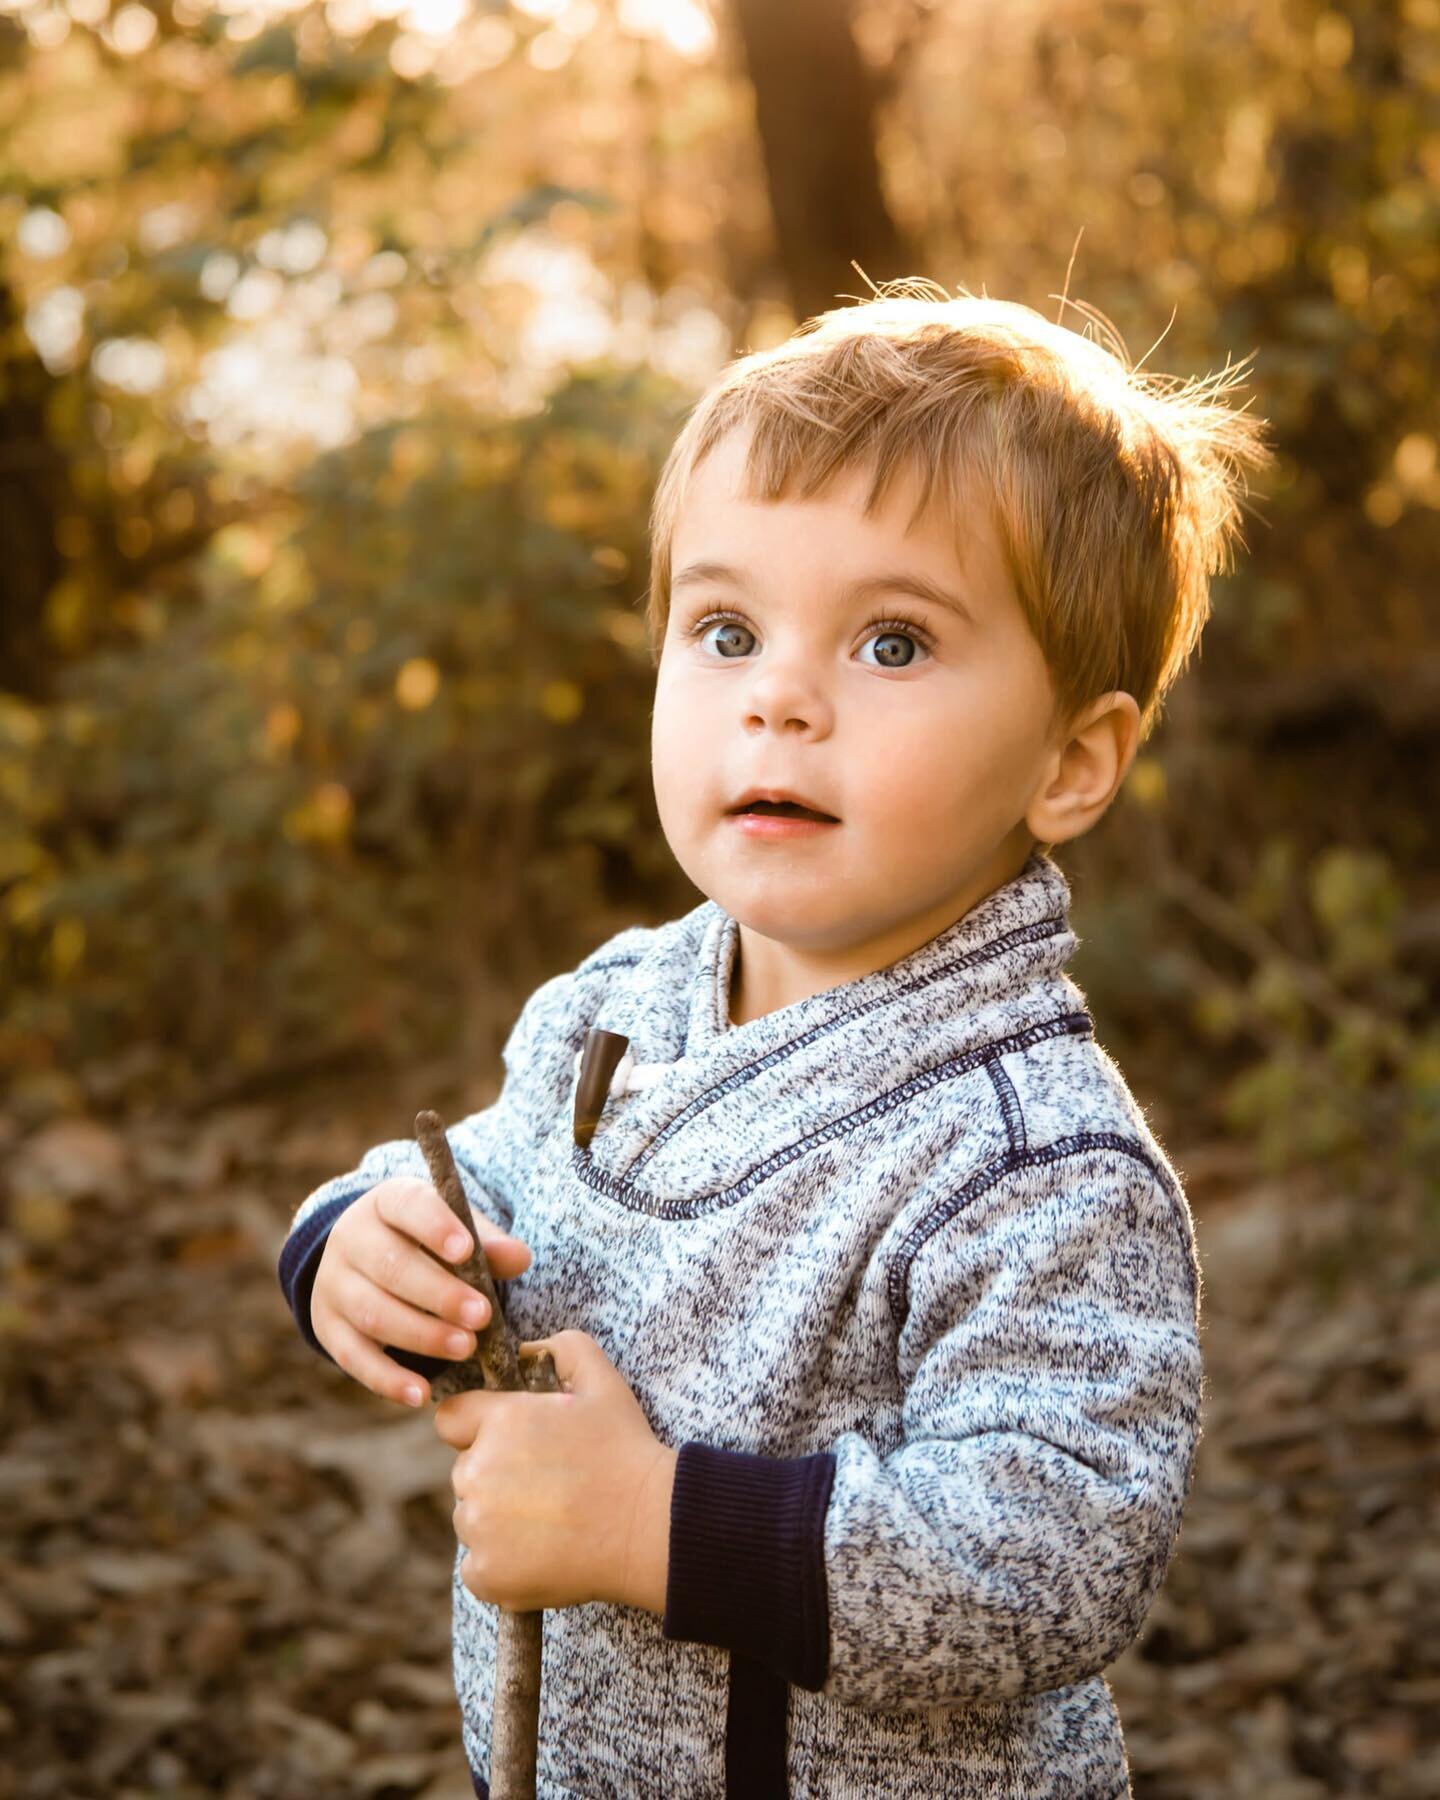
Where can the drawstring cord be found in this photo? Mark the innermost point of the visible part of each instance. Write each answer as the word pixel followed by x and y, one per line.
pixel 630 1076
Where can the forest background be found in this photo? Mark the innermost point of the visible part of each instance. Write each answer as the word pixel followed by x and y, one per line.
pixel 339 349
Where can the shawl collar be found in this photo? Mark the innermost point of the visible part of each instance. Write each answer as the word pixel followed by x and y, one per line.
pixel 741 1102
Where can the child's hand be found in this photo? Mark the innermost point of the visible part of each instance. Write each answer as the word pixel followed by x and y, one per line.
pixel 561 1498
pixel 377 1286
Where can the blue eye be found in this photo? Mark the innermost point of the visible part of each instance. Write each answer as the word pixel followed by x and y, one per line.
pixel 730 630
pixel 894 649
pixel 898 642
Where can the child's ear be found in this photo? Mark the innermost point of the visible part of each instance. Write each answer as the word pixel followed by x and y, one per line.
pixel 1091 757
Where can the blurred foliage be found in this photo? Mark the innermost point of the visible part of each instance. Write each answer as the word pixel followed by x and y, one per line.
pixel 1295 1021
pixel 339 351
pixel 426 666
pixel 1345 1030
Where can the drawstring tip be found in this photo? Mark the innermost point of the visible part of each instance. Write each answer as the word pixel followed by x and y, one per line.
pixel 598 1062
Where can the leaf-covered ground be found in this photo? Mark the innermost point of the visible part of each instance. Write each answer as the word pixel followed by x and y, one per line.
pixel 225 1568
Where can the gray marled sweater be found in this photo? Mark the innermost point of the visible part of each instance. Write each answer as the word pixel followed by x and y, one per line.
pixel 906 1276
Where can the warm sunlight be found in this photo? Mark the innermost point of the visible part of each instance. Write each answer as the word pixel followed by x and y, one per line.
pixel 685 26
pixel 1022 1125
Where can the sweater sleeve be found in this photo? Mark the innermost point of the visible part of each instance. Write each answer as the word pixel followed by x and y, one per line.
pixel 1051 1364
pixel 488 1147
pixel 1015 1539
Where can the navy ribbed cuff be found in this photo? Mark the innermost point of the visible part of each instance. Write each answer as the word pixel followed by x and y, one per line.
pixel 747 1558
pixel 300 1258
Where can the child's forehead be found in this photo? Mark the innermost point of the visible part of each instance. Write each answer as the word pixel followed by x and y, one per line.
pixel 723 485
pixel 724 479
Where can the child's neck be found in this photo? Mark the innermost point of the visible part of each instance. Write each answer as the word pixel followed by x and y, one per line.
pixel 768 974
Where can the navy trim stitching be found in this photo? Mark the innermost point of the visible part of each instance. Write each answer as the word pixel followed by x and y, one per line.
pixel 628 1193
pixel 1023 934
pixel 1009 1102
pixel 1078 1144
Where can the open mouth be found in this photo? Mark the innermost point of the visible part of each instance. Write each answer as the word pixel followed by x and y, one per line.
pixel 786 809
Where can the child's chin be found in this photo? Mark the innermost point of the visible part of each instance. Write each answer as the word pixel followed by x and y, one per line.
pixel 800 914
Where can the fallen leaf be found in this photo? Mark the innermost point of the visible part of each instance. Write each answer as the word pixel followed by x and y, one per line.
pixel 136 1571
pixel 174 1368
pixel 75 1158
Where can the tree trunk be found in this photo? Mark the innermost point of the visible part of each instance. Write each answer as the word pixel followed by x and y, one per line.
pixel 815 103
pixel 32 481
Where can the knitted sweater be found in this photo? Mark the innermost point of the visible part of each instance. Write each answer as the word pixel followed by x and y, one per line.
pixel 904 1274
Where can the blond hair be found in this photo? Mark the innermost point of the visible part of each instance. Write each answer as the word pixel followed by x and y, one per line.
pixel 1115 492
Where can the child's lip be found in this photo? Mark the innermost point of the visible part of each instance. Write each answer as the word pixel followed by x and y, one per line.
pixel 776 825
pixel 780 797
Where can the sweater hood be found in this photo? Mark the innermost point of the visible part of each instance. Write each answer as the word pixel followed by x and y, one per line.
pixel 729 1100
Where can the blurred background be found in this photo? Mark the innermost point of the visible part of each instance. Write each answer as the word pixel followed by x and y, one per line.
pixel 340 346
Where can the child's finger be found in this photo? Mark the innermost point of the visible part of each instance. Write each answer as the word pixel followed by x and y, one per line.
pixel 380 1315
pixel 414 1207
pixel 390 1262
pixel 360 1358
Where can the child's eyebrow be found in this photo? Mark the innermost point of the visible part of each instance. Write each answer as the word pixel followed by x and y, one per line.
pixel 862 588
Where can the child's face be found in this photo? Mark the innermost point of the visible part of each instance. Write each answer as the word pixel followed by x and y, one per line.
pixel 927 755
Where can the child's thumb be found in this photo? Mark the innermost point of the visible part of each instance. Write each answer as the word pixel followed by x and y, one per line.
pixel 507 1241
pixel 497 1242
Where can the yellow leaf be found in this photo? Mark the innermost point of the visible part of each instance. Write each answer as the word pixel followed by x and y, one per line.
pixel 66 614
pixel 282 727
pixel 285 584
pixel 1415 459
pixel 25 902
pixel 67 947
pixel 561 701
pixel 21 723
pixel 1147 782
pixel 417 684
pixel 40 1217
pixel 411 455
pixel 322 818
pixel 243 547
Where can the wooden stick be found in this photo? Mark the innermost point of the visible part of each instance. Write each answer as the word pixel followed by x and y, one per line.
pixel 515 1715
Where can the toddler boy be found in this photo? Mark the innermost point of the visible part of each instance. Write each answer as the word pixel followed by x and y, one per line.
pixel 873 1296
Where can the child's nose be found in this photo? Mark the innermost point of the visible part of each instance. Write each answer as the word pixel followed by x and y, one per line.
pixel 786 696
